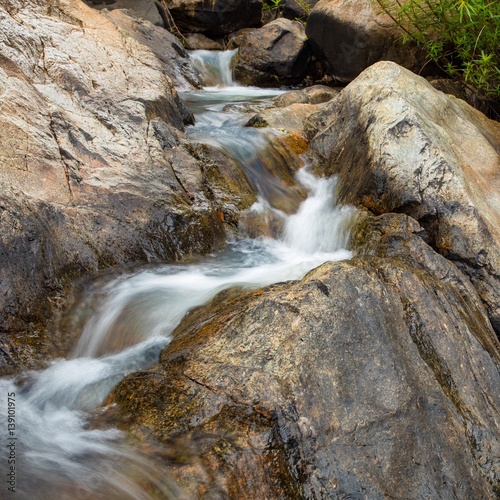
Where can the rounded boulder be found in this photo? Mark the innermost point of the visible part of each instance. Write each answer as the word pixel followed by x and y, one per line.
pixel 274 55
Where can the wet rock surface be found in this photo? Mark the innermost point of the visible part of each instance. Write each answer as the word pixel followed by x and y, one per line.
pixel 274 55
pixel 317 94
pixel 372 377
pixel 289 118
pixel 94 169
pixel 398 145
pixel 225 182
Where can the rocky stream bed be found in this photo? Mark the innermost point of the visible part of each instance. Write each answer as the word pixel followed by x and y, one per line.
pixel 210 290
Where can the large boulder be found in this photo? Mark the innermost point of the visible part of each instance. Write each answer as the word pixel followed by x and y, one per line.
pixel 215 18
pixel 399 145
pixel 93 167
pixel 371 378
pixel 350 35
pixel 274 55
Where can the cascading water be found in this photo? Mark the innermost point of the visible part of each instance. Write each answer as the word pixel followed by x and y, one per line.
pixel 59 454
pixel 215 66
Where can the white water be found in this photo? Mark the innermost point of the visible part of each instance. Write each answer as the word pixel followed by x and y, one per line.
pixel 215 66
pixel 60 455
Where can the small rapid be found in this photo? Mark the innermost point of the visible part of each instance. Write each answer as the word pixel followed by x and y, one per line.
pixel 215 66
pixel 62 455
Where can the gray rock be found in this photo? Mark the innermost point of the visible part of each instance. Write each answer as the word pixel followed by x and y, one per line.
pixel 349 36
pixel 274 55
pixel 141 9
pixel 165 47
pixel 372 378
pixel 398 145
pixel 235 38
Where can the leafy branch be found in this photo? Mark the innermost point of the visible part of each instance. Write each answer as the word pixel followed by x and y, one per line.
pixel 461 36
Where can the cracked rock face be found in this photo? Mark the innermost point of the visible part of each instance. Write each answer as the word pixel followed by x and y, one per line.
pixel 399 145
pixel 93 171
pixel 375 377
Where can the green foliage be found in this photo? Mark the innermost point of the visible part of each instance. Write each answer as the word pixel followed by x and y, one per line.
pixel 461 36
pixel 272 5
pixel 305 6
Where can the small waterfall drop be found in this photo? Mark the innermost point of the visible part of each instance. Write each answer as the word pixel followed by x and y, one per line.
pixel 214 66
pixel 320 225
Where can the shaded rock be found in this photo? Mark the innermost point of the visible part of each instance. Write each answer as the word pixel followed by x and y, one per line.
pixel 142 9
pixel 93 168
pixel 376 377
pixel 274 55
pixel 215 18
pixel 349 36
pixel 235 39
pixel 464 92
pixel 297 10
pixel 198 41
pixel 398 145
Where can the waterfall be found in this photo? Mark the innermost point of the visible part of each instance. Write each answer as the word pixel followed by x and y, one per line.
pixel 320 225
pixel 60 454
pixel 214 66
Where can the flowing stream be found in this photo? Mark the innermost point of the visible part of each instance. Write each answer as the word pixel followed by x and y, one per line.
pixel 59 454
